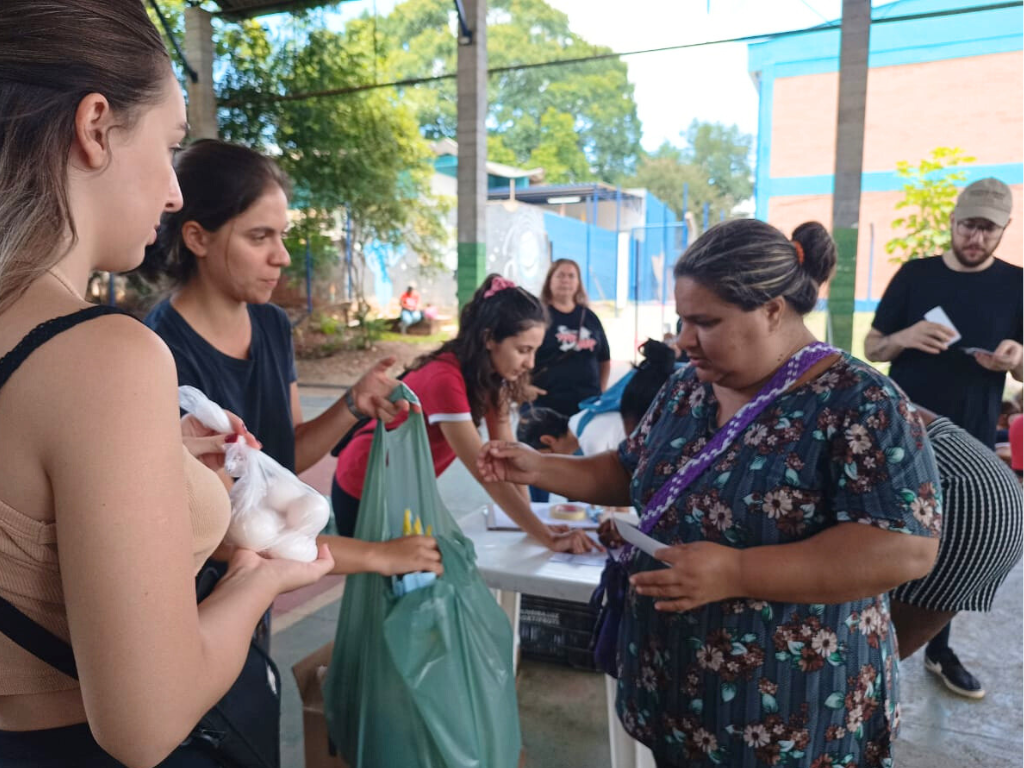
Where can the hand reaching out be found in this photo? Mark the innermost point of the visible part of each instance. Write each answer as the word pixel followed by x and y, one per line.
pixel 506 462
pixel 208 445
pixel 373 389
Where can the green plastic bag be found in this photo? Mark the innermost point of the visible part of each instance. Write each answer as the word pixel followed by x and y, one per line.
pixel 426 679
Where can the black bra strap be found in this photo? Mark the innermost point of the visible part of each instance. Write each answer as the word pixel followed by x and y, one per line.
pixel 37 640
pixel 43 332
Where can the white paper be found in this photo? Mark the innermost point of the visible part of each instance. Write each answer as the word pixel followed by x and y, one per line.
pixel 638 538
pixel 972 350
pixel 498 519
pixel 596 559
pixel 938 315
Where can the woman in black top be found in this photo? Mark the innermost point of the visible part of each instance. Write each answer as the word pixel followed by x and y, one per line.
pixel 573 363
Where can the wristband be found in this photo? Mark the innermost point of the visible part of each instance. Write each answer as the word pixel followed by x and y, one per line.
pixel 350 401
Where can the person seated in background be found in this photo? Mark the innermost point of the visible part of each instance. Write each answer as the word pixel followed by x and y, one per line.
pixel 604 422
pixel 411 312
pixel 546 430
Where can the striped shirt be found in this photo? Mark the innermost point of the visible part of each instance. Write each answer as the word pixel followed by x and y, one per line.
pixel 981 529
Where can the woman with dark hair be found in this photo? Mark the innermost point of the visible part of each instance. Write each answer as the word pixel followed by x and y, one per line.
pixel 473 378
pixel 222 254
pixel 114 662
pixel 574 361
pixel 792 486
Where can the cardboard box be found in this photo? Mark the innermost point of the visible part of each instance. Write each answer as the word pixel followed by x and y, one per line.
pixel 309 675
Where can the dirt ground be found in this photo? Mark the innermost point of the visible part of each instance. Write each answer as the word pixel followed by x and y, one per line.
pixel 344 367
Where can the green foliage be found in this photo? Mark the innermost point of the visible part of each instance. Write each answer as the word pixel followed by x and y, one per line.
pixel 310 226
pixel 558 151
pixel 930 192
pixel 715 164
pixel 417 39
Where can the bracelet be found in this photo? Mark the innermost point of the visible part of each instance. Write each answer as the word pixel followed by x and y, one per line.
pixel 350 401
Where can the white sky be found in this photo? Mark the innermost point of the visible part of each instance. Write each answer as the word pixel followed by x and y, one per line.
pixel 673 88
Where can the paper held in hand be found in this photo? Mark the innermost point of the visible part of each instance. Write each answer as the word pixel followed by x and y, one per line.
pixel 638 538
pixel 938 315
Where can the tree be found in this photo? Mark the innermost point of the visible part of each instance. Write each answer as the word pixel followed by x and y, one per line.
pixel 715 166
pixel 418 39
pixel 558 150
pixel 363 151
pixel 931 189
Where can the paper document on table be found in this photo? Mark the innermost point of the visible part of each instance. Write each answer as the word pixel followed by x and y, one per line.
pixel 498 519
pixel 596 559
pixel 938 315
pixel 638 538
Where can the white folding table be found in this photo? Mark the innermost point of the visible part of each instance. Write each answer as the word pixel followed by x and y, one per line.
pixel 513 564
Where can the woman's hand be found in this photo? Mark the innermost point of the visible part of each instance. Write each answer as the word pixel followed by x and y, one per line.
pixel 371 393
pixel 531 392
pixel 284 575
pixel 505 462
pixel 608 534
pixel 698 573
pixel 576 541
pixel 408 554
pixel 208 445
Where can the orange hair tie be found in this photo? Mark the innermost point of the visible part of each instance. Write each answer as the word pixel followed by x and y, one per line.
pixel 799 252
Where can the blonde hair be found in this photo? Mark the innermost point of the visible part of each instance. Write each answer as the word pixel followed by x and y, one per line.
pixel 53 53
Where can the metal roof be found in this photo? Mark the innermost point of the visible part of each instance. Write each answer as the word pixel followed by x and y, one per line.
pixel 542 194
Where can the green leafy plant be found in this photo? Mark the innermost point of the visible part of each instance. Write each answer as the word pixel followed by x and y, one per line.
pixel 930 192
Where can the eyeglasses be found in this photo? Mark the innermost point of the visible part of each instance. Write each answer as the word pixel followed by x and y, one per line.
pixel 971 227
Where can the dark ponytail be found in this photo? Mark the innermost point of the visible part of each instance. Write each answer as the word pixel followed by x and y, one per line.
pixel 658 364
pixel 493 314
pixel 218 182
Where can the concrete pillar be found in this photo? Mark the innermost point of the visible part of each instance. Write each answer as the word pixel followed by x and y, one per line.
pixel 853 89
pixel 202 102
pixel 471 134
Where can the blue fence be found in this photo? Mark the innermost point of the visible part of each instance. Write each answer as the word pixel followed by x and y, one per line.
pixel 593 248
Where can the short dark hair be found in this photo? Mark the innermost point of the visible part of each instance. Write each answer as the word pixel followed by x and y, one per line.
pixel 658 364
pixel 218 181
pixel 748 263
pixel 537 422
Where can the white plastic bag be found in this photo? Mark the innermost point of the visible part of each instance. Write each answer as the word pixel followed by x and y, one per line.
pixel 272 510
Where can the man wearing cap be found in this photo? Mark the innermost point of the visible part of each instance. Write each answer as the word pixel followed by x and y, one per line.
pixel 960 378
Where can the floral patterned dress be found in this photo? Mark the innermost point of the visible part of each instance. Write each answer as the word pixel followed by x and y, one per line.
pixel 750 683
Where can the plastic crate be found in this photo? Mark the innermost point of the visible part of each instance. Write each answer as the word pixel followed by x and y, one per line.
pixel 557 631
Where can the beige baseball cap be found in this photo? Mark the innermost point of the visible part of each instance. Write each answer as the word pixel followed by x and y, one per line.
pixel 985 199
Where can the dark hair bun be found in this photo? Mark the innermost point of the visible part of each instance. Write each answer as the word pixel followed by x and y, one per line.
pixel 819 250
pixel 658 355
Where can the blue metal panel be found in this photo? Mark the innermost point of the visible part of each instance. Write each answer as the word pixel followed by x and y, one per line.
pixel 888 181
pixel 569 239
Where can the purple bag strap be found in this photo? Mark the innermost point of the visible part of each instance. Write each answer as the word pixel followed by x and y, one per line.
pixel 783 380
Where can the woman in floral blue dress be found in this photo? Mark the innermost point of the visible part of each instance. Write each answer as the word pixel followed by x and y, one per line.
pixel 767 639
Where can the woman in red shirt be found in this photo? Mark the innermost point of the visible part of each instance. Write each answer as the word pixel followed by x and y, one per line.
pixel 472 378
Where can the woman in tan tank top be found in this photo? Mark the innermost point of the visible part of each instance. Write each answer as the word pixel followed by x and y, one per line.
pixel 103 515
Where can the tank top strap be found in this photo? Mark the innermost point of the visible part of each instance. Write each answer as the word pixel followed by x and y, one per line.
pixel 45 331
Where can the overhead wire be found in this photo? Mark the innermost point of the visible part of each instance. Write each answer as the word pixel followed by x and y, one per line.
pixel 762 37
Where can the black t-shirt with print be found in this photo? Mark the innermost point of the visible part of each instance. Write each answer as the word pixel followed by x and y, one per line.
pixel 986 307
pixel 568 362
pixel 258 389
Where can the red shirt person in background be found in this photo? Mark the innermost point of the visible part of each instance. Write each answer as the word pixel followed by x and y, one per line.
pixel 410 304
